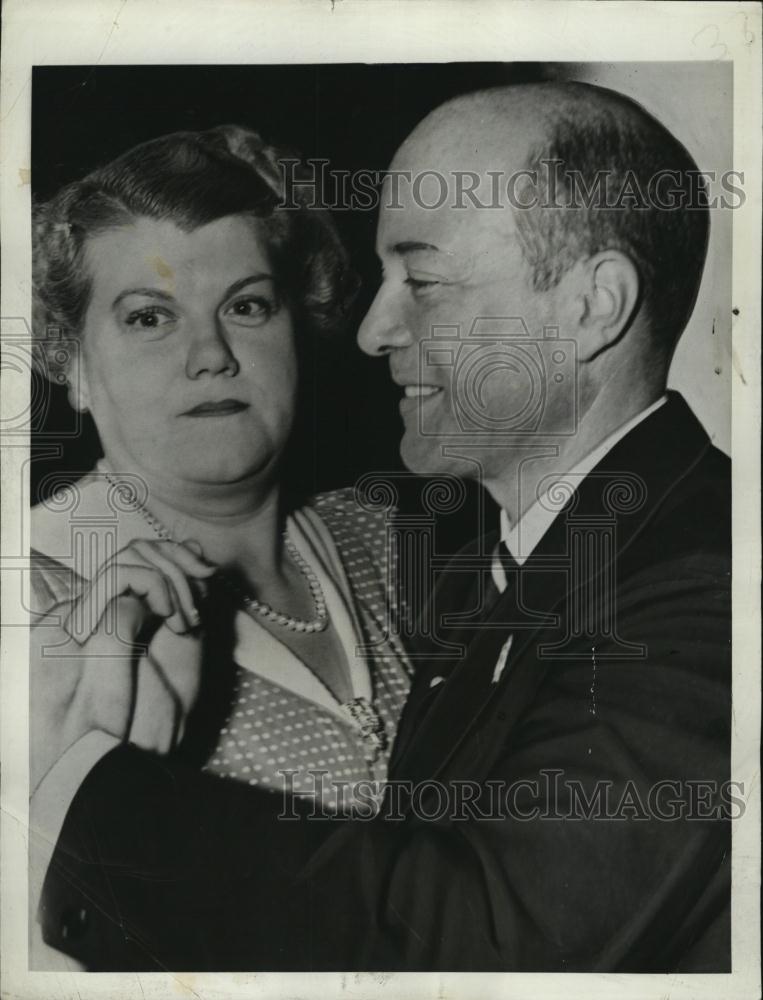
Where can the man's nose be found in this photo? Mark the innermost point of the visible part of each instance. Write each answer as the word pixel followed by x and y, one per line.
pixel 209 352
pixel 384 327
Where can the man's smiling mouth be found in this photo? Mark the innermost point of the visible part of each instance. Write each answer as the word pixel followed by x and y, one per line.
pixel 412 391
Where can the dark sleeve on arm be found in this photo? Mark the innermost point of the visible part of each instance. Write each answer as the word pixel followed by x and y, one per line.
pixel 611 847
pixel 179 870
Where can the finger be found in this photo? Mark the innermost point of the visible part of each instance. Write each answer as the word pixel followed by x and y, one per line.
pixel 149 584
pixel 190 558
pixel 113 580
pixel 200 587
pixel 178 620
pixel 168 680
pixel 88 615
pixel 156 715
pixel 160 557
pixel 179 660
pixel 195 568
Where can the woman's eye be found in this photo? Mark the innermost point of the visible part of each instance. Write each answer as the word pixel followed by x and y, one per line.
pixel 149 318
pixel 251 311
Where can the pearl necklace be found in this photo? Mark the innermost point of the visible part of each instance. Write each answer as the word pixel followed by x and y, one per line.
pixel 250 603
pixel 359 711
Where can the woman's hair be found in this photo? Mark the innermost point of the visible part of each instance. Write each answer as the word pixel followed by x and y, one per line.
pixel 189 178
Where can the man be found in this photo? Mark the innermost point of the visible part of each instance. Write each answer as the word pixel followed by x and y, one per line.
pixel 572 708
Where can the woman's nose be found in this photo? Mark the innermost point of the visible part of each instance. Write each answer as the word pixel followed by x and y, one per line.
pixel 210 353
pixel 383 328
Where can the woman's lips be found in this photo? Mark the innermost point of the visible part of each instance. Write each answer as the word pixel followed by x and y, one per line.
pixel 224 408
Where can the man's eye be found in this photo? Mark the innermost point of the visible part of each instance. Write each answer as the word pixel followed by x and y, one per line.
pixel 251 311
pixel 149 318
pixel 420 286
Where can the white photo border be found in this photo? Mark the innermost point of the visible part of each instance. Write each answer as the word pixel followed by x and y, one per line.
pixel 181 32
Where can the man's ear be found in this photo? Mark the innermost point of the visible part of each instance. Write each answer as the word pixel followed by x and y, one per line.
pixel 610 298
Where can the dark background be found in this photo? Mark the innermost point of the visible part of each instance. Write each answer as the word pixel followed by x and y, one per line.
pixel 353 115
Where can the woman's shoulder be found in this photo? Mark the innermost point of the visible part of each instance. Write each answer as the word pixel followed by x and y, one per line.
pixel 72 530
pixel 352 513
pixel 358 526
pixel 63 511
pixel 50 583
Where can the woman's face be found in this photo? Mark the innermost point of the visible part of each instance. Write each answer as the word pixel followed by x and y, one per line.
pixel 188 356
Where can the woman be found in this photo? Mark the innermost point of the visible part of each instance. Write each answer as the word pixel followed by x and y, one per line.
pixel 181 600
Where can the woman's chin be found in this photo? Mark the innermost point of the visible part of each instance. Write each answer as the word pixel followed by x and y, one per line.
pixel 214 470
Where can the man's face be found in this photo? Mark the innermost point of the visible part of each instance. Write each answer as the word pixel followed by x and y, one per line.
pixel 456 292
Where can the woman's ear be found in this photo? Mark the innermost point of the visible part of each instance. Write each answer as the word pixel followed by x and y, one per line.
pixel 76 384
pixel 612 286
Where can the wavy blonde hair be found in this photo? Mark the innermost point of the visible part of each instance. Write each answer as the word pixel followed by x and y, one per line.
pixel 189 178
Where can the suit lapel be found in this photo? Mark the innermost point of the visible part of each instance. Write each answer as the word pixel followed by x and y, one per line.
pixel 626 489
pixel 454 591
pixel 457 704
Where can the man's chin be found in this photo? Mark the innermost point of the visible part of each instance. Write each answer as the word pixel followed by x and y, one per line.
pixel 424 456
pixel 432 456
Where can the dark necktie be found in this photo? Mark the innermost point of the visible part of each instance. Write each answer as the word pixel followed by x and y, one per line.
pixel 509 563
pixel 431 678
pixel 511 569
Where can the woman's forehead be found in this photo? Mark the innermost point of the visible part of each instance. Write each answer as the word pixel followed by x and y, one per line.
pixel 161 251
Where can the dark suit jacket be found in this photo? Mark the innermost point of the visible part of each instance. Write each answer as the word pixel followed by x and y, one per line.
pixel 560 845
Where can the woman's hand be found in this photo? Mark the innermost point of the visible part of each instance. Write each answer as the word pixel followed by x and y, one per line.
pixel 127 657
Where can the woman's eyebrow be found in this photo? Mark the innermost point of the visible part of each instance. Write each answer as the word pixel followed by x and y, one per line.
pixel 159 293
pixel 243 282
pixel 154 293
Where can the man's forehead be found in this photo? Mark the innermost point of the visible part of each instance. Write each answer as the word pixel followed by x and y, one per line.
pixel 475 144
pixel 408 228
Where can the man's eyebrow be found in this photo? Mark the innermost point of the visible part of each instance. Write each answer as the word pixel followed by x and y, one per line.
pixel 410 246
pixel 449 263
pixel 159 293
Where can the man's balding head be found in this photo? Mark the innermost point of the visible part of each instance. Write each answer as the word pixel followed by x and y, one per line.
pixel 600 172
pixel 533 287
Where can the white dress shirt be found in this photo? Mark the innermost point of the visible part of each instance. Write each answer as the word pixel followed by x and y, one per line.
pixel 522 537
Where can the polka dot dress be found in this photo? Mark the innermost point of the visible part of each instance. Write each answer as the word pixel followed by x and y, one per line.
pixel 276 739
